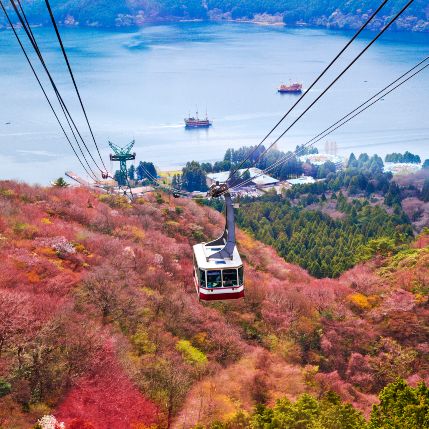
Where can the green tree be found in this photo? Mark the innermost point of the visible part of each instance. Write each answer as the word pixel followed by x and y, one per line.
pixel 322 245
pixel 380 246
pixel 131 172
pixel 401 407
pixel 207 167
pixel 353 186
pixel 393 195
pixel 120 179
pixel 352 163
pixel 426 164
pixel 194 177
pixel 334 414
pixel 146 170
pixel 425 191
pixel 60 183
pixel 407 157
pixel 308 413
pixel 325 169
pixel 5 388
pixel 376 165
pixel 176 182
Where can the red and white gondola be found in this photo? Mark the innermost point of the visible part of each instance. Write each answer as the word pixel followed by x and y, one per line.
pixel 218 268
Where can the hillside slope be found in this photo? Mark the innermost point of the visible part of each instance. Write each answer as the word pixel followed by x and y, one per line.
pixel 100 325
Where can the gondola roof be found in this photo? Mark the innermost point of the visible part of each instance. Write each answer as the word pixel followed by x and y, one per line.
pixel 203 252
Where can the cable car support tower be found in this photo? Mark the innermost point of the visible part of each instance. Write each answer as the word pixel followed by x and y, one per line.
pixel 123 154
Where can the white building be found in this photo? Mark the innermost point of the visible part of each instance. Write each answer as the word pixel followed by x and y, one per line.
pixel 401 168
pixel 321 158
pixel 303 180
pixel 258 179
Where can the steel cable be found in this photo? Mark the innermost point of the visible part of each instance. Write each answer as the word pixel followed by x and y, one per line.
pixel 310 87
pixel 344 120
pixel 383 30
pixel 72 77
pixel 44 93
pixel 66 112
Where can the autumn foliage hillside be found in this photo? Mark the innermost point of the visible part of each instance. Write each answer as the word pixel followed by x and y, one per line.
pixel 100 325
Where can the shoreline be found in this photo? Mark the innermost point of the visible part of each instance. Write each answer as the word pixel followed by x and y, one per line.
pixel 132 21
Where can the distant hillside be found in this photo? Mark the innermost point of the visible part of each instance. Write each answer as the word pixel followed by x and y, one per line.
pixel 325 13
pixel 100 324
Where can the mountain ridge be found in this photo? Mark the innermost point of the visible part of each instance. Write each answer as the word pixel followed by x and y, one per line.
pixel 324 13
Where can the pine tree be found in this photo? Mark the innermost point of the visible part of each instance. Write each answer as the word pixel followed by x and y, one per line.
pixel 175 183
pixel 194 177
pixel 146 170
pixel 424 196
pixel 352 163
pixel 120 179
pixel 60 183
pixel 131 172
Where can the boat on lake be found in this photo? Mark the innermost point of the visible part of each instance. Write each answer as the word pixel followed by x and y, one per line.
pixel 196 122
pixel 294 88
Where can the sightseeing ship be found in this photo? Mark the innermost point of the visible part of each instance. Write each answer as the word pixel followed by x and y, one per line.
pixel 294 88
pixel 196 122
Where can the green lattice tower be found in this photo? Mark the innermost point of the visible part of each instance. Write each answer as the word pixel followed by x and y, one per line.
pixel 122 154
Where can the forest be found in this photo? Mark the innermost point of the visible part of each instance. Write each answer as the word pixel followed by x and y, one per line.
pixel 324 246
pixel 308 412
pixel 326 13
pixel 407 157
pixel 100 326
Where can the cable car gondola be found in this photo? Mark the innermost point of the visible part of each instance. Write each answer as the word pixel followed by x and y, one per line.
pixel 218 269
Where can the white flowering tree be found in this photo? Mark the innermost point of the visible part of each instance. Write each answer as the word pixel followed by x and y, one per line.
pixel 49 422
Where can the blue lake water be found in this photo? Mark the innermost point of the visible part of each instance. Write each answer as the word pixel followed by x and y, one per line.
pixel 140 84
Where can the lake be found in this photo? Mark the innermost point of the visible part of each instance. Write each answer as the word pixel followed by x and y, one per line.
pixel 140 84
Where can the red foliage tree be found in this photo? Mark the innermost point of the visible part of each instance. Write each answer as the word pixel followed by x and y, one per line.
pixel 108 399
pixel 15 317
pixel 359 372
pixel 80 424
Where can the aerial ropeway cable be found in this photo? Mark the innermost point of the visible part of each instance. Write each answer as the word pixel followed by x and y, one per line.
pixel 90 173
pixel 72 77
pixel 67 115
pixel 25 24
pixel 355 59
pixel 345 119
pixel 374 96
pixel 62 105
pixel 253 151
pixel 332 128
